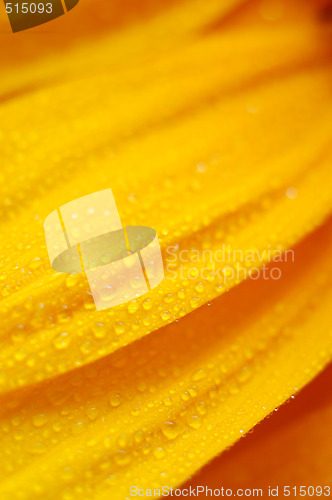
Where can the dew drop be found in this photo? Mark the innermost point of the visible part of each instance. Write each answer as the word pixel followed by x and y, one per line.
pixel 119 328
pixel 201 168
pixel 20 354
pixel 39 420
pixel 122 458
pixel 166 315
pixel 198 375
pixel 92 413
pixel 37 448
pixel 159 452
pixel 199 287
pixel 78 428
pixel 194 421
pixel 291 193
pixel 35 263
pixel 107 292
pixel 194 302
pixel 169 298
pixel 132 307
pixel 99 330
pixel 61 341
pixel 106 258
pixel 147 304
pixel 115 400
pixel 72 280
pixel 170 430
pixel 168 401
pixel 185 396
pixel 57 426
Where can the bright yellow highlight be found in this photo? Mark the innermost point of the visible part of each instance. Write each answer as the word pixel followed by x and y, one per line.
pixel 211 124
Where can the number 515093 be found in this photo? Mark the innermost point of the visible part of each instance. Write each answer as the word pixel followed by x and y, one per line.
pixel 28 8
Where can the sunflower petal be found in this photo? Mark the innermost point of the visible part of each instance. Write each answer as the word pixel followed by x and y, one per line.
pixel 301 427
pixel 215 201
pixel 126 419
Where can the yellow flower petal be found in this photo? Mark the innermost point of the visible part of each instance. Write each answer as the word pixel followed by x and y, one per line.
pixel 299 429
pixel 153 413
pixel 238 197
pixel 211 125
